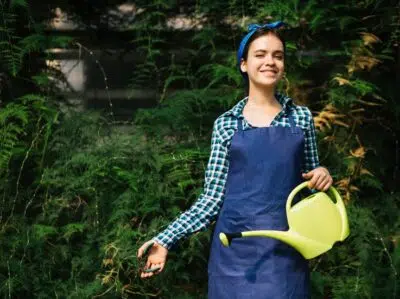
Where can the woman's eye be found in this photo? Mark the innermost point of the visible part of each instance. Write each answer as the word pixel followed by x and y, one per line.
pixel 259 55
pixel 279 57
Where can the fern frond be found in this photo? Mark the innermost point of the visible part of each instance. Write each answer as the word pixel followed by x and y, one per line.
pixel 18 3
pixel 12 56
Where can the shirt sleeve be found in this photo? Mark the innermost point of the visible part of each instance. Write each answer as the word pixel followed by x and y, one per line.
pixel 207 206
pixel 311 159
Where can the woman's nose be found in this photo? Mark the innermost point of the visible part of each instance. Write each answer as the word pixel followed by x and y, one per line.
pixel 269 60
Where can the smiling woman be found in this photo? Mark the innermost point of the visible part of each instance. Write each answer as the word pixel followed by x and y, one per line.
pixel 260 150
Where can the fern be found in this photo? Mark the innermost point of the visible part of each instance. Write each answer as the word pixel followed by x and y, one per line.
pixel 13 121
pixel 72 229
pixel 12 56
pixel 42 232
pixel 16 3
pixel 14 48
pixel 85 193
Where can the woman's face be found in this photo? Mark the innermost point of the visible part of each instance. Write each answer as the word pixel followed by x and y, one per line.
pixel 265 61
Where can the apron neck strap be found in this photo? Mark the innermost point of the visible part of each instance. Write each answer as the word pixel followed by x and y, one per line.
pixel 291 121
pixel 240 125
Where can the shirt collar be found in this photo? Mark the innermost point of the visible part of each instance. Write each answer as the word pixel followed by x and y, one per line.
pixel 286 103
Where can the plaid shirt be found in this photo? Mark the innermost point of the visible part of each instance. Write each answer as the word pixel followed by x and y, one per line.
pixel 206 208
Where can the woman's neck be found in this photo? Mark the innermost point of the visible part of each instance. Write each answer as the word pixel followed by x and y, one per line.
pixel 263 97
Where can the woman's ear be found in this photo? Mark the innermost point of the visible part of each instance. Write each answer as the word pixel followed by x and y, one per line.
pixel 243 65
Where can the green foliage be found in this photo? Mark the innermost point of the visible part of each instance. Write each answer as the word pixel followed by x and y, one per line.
pixel 79 196
pixel 13 48
pixel 13 120
pixel 16 3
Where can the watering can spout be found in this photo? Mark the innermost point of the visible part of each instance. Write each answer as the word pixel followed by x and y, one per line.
pixel 283 236
pixel 307 247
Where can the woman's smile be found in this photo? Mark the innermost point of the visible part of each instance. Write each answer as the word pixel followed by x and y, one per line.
pixel 269 72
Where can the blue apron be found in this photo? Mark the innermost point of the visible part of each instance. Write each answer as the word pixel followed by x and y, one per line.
pixel 264 166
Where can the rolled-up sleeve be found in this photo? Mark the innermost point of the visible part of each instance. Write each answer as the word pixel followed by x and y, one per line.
pixel 207 206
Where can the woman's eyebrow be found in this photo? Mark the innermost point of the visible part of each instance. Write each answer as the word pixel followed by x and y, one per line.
pixel 264 51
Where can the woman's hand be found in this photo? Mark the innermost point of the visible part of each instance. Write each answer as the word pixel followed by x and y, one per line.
pixel 319 178
pixel 157 257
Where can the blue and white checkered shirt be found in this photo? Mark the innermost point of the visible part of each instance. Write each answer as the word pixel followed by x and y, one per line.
pixel 206 208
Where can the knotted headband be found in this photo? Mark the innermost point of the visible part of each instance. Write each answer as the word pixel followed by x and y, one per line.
pixel 252 28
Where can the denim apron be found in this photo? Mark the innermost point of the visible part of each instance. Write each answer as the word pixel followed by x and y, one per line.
pixel 264 166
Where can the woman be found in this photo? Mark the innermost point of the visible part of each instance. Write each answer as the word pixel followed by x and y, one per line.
pixel 261 149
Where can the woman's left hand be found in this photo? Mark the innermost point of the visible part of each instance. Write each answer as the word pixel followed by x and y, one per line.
pixel 319 178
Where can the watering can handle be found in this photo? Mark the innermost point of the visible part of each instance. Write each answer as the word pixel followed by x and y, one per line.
pixel 303 185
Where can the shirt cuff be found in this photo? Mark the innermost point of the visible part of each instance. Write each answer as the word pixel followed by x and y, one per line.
pixel 163 241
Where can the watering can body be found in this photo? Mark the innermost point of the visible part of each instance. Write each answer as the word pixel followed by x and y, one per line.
pixel 315 223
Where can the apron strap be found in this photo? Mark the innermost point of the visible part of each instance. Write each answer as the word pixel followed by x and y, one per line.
pixel 240 125
pixel 292 123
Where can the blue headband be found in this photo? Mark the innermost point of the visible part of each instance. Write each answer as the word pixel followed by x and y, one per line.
pixel 252 28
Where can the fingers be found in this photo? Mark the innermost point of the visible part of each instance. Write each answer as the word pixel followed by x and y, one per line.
pixel 323 183
pixel 314 180
pixel 326 186
pixel 144 273
pixel 320 179
pixel 308 175
pixel 140 252
pixel 142 248
pixel 152 269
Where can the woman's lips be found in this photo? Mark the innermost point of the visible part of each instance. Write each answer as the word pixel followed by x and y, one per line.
pixel 269 72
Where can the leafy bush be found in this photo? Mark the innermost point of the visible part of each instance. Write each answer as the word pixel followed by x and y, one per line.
pixel 80 194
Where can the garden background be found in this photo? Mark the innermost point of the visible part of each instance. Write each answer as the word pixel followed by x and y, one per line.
pixel 106 115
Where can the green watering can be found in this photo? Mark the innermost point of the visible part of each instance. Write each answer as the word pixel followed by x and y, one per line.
pixel 315 223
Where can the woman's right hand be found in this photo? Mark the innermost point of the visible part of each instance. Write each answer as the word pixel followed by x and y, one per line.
pixel 157 257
